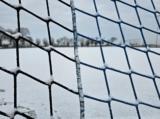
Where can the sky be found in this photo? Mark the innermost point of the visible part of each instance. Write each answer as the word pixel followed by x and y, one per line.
pixel 86 25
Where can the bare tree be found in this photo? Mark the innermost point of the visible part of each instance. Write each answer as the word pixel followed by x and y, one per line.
pixel 45 42
pixel 24 31
pixel 58 42
pixel 87 43
pixel 11 32
pixel 31 39
pixel 113 39
pixel 96 39
pixel 38 41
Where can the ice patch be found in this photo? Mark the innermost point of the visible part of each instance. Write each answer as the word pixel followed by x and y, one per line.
pixel 49 48
pixel 17 35
pixel 48 18
pixel 15 70
pixel 11 113
pixel 17 6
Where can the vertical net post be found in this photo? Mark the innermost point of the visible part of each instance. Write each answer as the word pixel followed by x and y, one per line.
pixel 77 61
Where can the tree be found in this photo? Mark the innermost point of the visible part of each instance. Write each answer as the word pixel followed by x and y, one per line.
pixel 11 32
pixel 45 42
pixel 113 39
pixel 38 41
pixel 24 31
pixel 30 39
pixel 58 42
pixel 87 43
pixel 96 39
pixel 52 41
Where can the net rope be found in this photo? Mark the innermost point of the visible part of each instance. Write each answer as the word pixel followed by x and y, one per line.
pixel 50 49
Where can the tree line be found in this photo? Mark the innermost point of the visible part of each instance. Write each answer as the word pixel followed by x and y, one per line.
pixel 60 42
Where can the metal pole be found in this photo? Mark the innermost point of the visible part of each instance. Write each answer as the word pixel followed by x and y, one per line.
pixel 77 61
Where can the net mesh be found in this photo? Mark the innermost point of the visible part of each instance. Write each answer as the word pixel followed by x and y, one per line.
pixel 49 49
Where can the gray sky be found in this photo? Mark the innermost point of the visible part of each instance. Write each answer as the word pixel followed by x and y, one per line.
pixel 85 24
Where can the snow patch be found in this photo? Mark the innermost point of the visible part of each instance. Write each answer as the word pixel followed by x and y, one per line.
pixel 3 68
pixel 96 14
pixel 17 35
pixel 49 81
pixel 120 20
pixel 136 4
pixel 100 39
pixel 137 102
pixel 130 71
pixel 110 97
pixel 127 44
pixel 155 10
pixel 15 70
pixel 155 75
pixel 141 26
pixel 105 65
pixel 8 33
pixel 11 112
pixel 48 18
pixel 17 6
pixel 49 48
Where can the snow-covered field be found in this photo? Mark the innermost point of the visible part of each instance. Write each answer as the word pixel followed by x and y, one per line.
pixel 33 97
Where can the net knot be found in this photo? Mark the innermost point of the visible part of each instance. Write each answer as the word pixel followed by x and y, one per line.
pixel 15 70
pixel 17 6
pixel 17 35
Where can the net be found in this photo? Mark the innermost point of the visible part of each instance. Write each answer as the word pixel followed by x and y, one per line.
pixel 100 41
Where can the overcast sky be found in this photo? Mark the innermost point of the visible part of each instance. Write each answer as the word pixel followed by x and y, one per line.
pixel 85 24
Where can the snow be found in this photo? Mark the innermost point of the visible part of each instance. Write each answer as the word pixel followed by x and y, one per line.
pixel 96 14
pixel 105 65
pixel 49 48
pixel 126 43
pixel 155 10
pixel 100 39
pixel 34 95
pixel 17 6
pixel 141 26
pixel 11 112
pixel 49 81
pixel 120 20
pixel 15 70
pixel 136 4
pixel 48 18
pixel 8 33
pixel 130 71
pixel 17 35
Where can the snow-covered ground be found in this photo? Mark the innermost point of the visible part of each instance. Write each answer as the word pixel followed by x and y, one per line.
pixel 33 97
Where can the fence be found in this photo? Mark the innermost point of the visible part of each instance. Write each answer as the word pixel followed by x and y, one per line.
pixel 49 49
